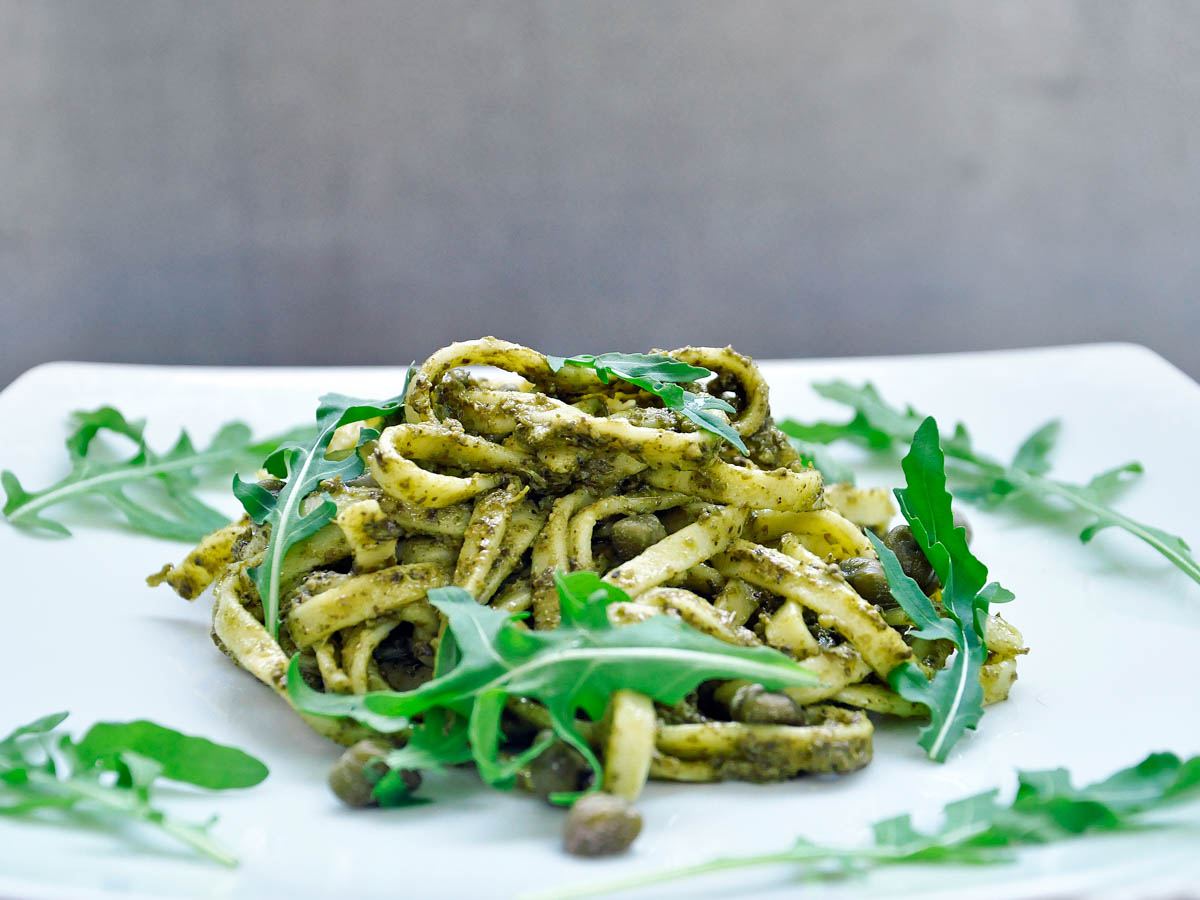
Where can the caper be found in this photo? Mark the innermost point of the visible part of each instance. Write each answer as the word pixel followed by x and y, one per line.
pixel 912 559
pixel 633 534
pixel 600 824
pixel 354 775
pixel 754 704
pixel 866 576
pixel 274 485
pixel 559 769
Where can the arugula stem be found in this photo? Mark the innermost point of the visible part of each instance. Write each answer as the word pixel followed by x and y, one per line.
pixel 1140 530
pixel 976 830
pixel 278 549
pixel 877 426
pixel 127 804
pixel 140 473
pixel 1072 495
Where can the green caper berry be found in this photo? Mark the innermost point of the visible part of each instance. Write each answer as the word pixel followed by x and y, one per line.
pixel 559 769
pixel 867 577
pixel 633 534
pixel 600 824
pixel 754 704
pixel 912 559
pixel 354 775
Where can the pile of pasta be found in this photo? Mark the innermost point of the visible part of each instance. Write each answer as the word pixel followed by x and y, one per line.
pixel 498 477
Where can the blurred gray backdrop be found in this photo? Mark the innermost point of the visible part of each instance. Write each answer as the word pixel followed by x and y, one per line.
pixel 247 181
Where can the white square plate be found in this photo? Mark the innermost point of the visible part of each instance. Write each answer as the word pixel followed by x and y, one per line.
pixel 1113 630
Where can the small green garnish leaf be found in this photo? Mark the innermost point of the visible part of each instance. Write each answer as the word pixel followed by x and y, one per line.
pixel 439 740
pixel 982 479
pixel 303 466
pixel 113 770
pixel 953 695
pixel 634 367
pixel 194 760
pixel 163 502
pixel 661 376
pixel 574 668
pixel 875 424
pixel 975 830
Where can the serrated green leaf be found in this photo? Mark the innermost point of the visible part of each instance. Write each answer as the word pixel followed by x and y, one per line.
pixel 89 424
pixel 953 696
pixel 186 758
pixel 1172 546
pixel 929 623
pixel 858 431
pixel 981 479
pixel 135 771
pixel 897 834
pixel 439 740
pixel 255 499
pixel 994 593
pixel 37 726
pixel 303 466
pixel 338 705
pixel 662 657
pixel 1112 480
pixel 631 366
pixel 574 668
pixel 884 424
pixel 584 597
pixel 699 409
pixel 1033 455
pixel 1159 775
pixel 154 493
pixel 661 376
pixel 41 768
pixel 485 737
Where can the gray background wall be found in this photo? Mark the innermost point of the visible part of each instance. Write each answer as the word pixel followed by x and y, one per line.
pixel 248 181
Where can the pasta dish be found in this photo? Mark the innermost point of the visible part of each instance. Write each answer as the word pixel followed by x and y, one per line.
pixel 503 469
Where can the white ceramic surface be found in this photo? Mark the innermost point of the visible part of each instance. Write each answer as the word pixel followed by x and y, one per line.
pixel 1113 630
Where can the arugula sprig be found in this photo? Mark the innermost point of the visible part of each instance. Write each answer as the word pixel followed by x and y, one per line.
pixel 983 479
pixel 486 657
pixel 660 376
pixel 980 829
pixel 111 770
pixel 164 503
pixel 303 466
pixel 953 695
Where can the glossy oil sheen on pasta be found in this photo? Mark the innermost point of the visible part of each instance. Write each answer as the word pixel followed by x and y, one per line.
pixel 495 481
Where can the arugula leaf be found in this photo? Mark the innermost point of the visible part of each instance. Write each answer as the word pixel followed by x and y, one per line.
pixel 875 424
pixel 661 376
pixel 573 668
pixel 1033 456
pixel 37 726
pixel 113 770
pixel 194 760
pixel 982 479
pixel 439 740
pixel 166 505
pixel 975 830
pixel 646 367
pixel 304 466
pixel 953 696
